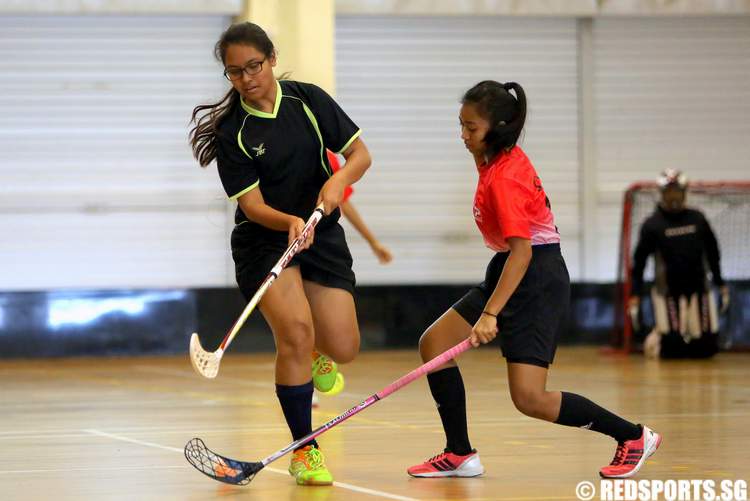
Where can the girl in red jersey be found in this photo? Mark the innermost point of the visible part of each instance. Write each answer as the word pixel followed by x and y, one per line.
pixel 525 297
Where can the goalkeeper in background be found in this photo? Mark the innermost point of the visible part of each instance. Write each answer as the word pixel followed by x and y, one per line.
pixel 684 248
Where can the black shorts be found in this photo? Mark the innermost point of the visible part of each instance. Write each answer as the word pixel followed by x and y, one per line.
pixel 327 262
pixel 532 320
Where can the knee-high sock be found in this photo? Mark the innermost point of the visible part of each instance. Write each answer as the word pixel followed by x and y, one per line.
pixel 447 389
pixel 581 412
pixel 296 402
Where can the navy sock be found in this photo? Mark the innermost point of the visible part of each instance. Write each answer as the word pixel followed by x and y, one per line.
pixel 579 411
pixel 296 402
pixel 447 389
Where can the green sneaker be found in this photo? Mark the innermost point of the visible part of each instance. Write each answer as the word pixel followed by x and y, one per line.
pixel 326 376
pixel 308 467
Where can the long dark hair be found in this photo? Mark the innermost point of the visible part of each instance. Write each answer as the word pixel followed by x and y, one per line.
pixel 202 136
pixel 505 112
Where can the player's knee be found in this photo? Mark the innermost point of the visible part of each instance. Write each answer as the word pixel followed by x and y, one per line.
pixel 529 402
pixel 345 357
pixel 344 351
pixel 296 338
pixel 426 347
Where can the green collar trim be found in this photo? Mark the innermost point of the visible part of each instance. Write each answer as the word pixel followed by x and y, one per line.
pixel 263 114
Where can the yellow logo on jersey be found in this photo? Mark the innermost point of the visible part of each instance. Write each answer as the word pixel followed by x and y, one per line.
pixel 259 150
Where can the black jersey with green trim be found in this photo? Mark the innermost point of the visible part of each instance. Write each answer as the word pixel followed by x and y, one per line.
pixel 282 152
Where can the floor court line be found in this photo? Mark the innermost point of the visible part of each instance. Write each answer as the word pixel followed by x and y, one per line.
pixel 355 488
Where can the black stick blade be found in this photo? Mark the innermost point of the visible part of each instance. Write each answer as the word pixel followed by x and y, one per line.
pixel 223 469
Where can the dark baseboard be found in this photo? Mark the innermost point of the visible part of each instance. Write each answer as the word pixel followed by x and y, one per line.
pixel 152 322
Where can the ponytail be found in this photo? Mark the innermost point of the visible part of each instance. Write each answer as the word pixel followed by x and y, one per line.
pixel 519 121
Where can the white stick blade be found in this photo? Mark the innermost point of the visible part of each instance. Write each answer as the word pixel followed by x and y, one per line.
pixel 206 364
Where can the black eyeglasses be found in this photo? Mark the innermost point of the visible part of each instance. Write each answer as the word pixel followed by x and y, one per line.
pixel 251 68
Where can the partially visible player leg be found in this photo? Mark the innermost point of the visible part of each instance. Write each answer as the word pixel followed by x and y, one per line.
pixel 458 459
pixel 287 311
pixel 336 333
pixel 335 320
pixel 527 385
pixel 528 391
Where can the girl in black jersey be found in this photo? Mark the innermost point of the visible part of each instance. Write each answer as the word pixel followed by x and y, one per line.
pixel 523 299
pixel 269 139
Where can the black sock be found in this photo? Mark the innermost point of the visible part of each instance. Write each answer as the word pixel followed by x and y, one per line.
pixel 447 389
pixel 296 402
pixel 579 411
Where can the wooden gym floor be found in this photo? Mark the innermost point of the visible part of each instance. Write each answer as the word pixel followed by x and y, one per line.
pixel 82 429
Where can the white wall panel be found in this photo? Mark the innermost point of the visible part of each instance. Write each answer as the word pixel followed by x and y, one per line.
pixel 400 79
pixel 149 7
pixel 98 187
pixel 669 92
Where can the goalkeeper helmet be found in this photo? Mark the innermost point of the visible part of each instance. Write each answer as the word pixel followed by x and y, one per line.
pixel 672 178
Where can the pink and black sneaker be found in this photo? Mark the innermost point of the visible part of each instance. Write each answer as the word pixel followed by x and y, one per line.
pixel 630 455
pixel 447 464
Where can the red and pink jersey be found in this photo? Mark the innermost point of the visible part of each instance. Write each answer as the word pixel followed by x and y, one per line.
pixel 335 166
pixel 510 202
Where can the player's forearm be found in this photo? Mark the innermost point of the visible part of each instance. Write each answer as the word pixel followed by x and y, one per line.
pixel 257 211
pixel 352 215
pixel 716 273
pixel 639 265
pixel 636 285
pixel 357 162
pixel 513 272
pixel 713 257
